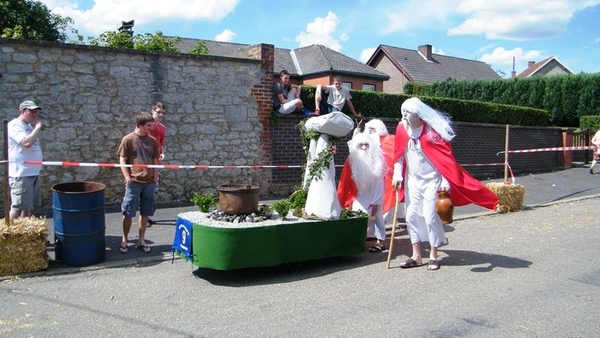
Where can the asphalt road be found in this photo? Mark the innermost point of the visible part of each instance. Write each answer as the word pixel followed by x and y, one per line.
pixel 526 274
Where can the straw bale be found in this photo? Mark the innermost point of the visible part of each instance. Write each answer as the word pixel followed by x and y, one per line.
pixel 23 245
pixel 510 196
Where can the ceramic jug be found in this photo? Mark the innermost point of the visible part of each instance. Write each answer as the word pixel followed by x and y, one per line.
pixel 444 207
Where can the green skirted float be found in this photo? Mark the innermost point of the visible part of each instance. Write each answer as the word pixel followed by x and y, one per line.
pixel 229 248
pixel 237 246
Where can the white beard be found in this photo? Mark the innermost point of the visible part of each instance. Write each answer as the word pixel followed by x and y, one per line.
pixel 367 167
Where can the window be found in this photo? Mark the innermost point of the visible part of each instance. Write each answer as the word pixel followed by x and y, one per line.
pixel 368 87
pixel 347 85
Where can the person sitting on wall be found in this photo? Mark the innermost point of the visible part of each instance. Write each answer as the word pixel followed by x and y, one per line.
pixel 286 96
pixel 337 98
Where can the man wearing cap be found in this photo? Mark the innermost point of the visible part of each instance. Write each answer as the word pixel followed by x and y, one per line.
pixel 24 145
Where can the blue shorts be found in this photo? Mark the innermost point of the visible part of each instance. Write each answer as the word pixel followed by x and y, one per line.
pixel 139 196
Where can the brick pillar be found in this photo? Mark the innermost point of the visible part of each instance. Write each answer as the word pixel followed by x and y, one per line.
pixel 566 157
pixel 263 94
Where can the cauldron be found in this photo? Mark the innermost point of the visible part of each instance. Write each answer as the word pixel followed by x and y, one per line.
pixel 238 199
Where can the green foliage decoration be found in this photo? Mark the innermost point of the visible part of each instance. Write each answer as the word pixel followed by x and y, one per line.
pixel 323 160
pixel 274 118
pixel 347 213
pixel 298 200
pixel 204 201
pixel 282 207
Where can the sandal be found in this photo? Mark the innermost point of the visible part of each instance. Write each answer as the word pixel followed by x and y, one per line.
pixel 377 248
pixel 144 248
pixel 433 265
pixel 410 263
pixel 123 249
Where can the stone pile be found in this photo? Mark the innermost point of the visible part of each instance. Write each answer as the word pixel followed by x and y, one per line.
pixel 255 217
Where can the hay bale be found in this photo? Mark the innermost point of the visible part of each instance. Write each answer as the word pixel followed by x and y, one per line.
pixel 23 245
pixel 510 196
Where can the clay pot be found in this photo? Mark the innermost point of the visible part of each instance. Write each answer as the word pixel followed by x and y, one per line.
pixel 444 207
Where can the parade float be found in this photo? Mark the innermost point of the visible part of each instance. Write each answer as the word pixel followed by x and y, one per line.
pixel 241 234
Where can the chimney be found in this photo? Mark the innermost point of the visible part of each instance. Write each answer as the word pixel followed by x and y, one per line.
pixel 530 63
pixel 513 73
pixel 425 50
pixel 127 27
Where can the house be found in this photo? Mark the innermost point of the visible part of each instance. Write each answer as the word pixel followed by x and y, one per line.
pixel 548 66
pixel 423 66
pixel 310 65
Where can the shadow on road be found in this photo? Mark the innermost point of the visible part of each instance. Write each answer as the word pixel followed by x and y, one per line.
pixel 467 258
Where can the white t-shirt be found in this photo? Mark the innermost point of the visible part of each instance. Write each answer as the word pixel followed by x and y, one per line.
pixel 17 131
pixel 337 98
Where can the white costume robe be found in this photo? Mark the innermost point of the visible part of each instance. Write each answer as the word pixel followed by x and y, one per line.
pixel 421 182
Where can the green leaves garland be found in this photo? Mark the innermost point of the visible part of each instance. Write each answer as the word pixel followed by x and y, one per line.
pixel 324 158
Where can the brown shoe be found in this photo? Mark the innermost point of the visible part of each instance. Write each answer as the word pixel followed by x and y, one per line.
pixel 433 265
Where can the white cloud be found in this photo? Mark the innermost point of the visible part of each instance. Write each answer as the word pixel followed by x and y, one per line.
pixel 366 54
pixel 502 58
pixel 225 36
pixel 409 16
pixel 320 31
pixel 149 15
pixel 517 20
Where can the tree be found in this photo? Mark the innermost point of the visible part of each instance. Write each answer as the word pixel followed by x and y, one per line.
pixel 156 42
pixel 147 41
pixel 112 39
pixel 199 49
pixel 32 20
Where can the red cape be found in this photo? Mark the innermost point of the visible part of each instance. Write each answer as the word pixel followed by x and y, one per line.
pixel 347 188
pixel 464 188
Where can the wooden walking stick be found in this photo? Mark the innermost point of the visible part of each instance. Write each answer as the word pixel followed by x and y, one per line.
pixel 387 266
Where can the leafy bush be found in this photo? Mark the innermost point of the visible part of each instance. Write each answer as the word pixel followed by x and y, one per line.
pixel 461 109
pixel 347 213
pixel 566 98
pixel 282 207
pixel 148 41
pixel 590 122
pixel 204 201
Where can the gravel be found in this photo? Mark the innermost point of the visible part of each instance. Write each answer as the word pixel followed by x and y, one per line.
pixel 202 218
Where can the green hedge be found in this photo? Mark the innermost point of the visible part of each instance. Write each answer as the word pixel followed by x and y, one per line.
pixel 567 98
pixel 378 104
pixel 590 122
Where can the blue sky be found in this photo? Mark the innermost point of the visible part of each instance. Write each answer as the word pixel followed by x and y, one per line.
pixel 494 32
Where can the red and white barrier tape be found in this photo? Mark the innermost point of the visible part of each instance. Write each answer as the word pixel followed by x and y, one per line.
pixel 157 166
pixel 547 149
pixel 177 166
pixel 481 165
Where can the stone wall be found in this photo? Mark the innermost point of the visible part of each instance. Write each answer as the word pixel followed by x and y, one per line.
pixel 90 96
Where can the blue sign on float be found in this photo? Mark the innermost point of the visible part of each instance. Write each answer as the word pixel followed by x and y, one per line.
pixel 183 238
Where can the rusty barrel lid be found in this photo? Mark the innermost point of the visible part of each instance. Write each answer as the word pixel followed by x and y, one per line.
pixel 237 188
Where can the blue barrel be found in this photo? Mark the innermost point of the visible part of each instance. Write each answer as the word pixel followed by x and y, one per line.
pixel 79 224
